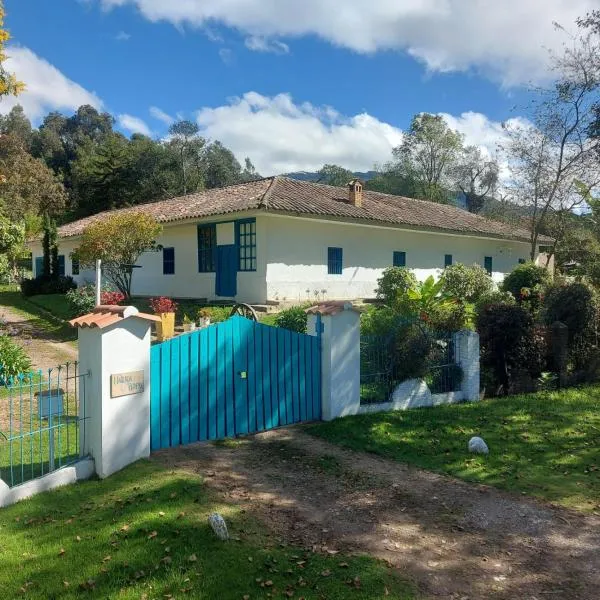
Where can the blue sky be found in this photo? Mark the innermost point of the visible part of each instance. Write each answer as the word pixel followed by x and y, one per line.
pixel 292 85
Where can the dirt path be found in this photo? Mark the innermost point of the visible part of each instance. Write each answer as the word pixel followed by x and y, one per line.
pixel 453 539
pixel 44 350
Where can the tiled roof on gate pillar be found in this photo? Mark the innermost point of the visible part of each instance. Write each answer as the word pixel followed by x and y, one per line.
pixel 333 307
pixel 105 315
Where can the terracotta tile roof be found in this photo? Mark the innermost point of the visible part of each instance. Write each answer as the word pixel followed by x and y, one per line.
pixel 333 307
pixel 104 315
pixel 284 195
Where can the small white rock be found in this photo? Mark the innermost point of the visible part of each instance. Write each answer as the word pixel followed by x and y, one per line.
pixel 217 522
pixel 478 446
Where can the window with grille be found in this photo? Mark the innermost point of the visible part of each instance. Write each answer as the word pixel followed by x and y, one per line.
pixel 246 241
pixel 74 266
pixel 399 259
pixel 487 263
pixel 207 242
pixel 334 261
pixel 447 260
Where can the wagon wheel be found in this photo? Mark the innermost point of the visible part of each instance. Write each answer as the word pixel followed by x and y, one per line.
pixel 243 310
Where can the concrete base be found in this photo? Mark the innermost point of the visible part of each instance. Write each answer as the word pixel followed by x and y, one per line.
pixel 413 393
pixel 82 469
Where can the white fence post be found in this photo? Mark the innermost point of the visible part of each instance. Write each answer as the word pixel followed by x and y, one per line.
pixel 114 349
pixel 340 357
pixel 468 353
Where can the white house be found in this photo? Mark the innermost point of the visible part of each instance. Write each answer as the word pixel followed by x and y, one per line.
pixel 282 240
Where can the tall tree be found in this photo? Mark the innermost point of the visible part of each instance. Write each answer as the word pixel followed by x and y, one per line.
pixel 187 143
pixel 334 175
pixel 9 84
pixel 428 154
pixel 17 124
pixel 476 176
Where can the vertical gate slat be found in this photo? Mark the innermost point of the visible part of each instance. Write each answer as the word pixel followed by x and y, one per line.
pixel 155 397
pixel 295 376
pixel 184 387
pixel 250 386
pixel 302 376
pixel 316 362
pixel 175 378
pixel 226 331
pixel 165 395
pixel 194 380
pixel 289 378
pixel 203 379
pixel 257 375
pixel 280 370
pixel 270 378
pixel 221 372
pixel 240 386
pixel 308 377
pixel 211 360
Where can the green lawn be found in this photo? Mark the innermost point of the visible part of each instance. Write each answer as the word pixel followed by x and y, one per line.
pixel 56 304
pixel 545 444
pixel 143 533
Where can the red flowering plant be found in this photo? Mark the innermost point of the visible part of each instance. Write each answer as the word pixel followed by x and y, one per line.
pixel 111 298
pixel 163 305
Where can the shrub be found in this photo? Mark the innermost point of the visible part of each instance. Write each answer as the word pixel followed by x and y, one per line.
pixel 467 283
pixel 216 314
pixel 111 298
pixel 394 284
pixel 293 318
pixel 83 299
pixel 13 360
pixel 575 305
pixel 163 305
pixel 526 283
pixel 508 343
pixel 378 321
pixel 45 284
pixel 494 297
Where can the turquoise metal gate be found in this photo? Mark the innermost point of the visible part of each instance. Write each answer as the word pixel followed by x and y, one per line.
pixel 230 379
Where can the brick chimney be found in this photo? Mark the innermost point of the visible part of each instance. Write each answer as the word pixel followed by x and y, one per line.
pixel 356 192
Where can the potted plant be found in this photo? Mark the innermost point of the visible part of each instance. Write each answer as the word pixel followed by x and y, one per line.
pixel 188 324
pixel 204 317
pixel 165 308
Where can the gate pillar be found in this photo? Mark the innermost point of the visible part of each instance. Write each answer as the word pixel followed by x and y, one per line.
pixel 339 324
pixel 114 411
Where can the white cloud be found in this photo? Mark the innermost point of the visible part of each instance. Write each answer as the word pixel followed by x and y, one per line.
pixel 258 43
pixel 506 40
pixel 133 124
pixel 161 115
pixel 123 36
pixel 227 56
pixel 47 88
pixel 281 136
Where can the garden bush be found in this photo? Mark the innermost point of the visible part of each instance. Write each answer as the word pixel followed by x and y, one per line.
pixel 293 318
pixel 83 299
pixel 510 345
pixel 467 283
pixel 45 284
pixel 527 283
pixel 394 284
pixel 216 314
pixel 13 360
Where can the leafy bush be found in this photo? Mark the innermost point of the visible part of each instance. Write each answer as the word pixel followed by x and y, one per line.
pixel 379 321
pixel 509 343
pixel 45 284
pixel 394 284
pixel 293 318
pixel 467 283
pixel 494 297
pixel 163 305
pixel 83 299
pixel 527 283
pixel 216 314
pixel 575 305
pixel 13 360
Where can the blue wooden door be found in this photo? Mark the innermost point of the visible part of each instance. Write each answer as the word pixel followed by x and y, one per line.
pixel 226 277
pixel 234 378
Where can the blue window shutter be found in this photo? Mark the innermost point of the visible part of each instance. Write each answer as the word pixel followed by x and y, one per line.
pixel 522 261
pixel 447 260
pixel 335 261
pixel 399 259
pixel 39 266
pixel 61 265
pixel 168 261
pixel 487 263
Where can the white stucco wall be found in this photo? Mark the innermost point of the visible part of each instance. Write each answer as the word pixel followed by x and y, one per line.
pixel 297 256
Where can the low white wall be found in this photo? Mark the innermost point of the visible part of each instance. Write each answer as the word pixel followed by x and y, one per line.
pixel 82 469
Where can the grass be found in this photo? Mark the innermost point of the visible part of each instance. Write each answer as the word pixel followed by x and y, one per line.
pixel 55 304
pixel 546 444
pixel 143 533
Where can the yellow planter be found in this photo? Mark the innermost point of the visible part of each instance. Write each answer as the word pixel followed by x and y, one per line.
pixel 165 329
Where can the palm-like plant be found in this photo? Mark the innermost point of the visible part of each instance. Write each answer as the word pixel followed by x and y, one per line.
pixel 427 297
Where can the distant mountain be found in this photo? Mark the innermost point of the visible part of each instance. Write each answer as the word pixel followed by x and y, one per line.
pixel 314 175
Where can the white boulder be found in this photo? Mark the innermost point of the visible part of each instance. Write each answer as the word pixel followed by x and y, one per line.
pixel 478 446
pixel 217 522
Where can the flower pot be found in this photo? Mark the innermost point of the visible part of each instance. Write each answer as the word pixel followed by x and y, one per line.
pixel 165 328
pixel 187 327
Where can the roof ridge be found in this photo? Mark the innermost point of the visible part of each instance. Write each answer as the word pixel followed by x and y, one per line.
pixel 268 193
